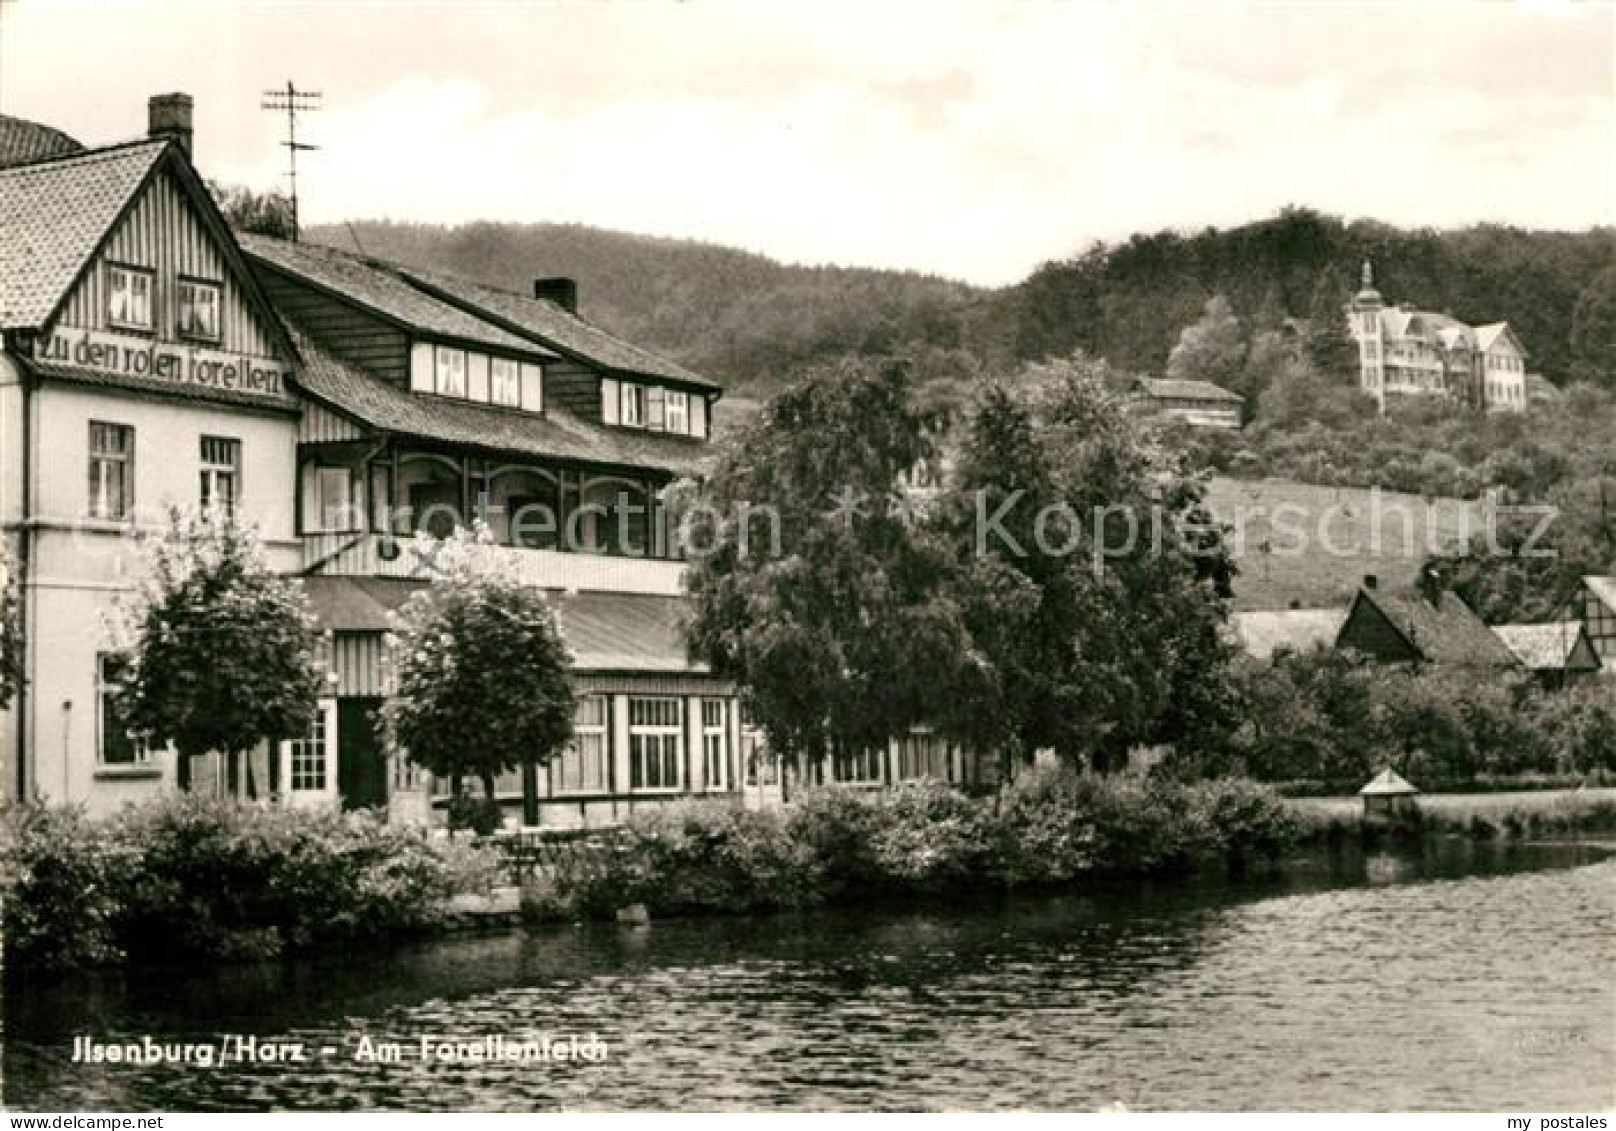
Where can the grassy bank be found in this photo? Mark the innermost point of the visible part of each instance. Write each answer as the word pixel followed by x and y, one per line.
pixel 1522 813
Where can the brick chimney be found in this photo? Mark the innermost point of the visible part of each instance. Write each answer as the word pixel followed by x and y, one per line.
pixel 1370 581
pixel 561 291
pixel 1430 585
pixel 169 115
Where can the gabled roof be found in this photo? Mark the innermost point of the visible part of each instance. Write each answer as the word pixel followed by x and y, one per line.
pixel 1178 389
pixel 556 434
pixel 1494 332
pixel 22 141
pixel 1261 633
pixel 1604 588
pixel 552 325
pixel 377 287
pixel 1561 646
pixel 1388 783
pixel 54 215
pixel 1445 633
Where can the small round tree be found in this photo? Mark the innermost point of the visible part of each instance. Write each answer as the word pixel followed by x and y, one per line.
pixel 221 652
pixel 481 671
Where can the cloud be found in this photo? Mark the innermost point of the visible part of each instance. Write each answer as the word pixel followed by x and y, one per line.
pixel 971 139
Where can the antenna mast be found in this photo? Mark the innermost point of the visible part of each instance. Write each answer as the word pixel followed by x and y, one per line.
pixel 291 100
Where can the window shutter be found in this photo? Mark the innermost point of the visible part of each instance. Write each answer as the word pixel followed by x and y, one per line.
pixel 698 416
pixel 609 403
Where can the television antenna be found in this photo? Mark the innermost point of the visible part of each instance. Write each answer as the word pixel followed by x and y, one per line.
pixel 291 101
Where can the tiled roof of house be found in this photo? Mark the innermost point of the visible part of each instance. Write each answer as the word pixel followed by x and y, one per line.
pixel 554 326
pixel 626 632
pixel 1448 633
pixel 606 632
pixel 1545 647
pixel 1178 389
pixel 22 141
pixel 557 434
pixel 377 286
pixel 1487 336
pixel 1603 588
pixel 53 216
pixel 1262 633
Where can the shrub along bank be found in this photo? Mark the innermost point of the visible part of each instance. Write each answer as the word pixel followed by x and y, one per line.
pixel 1051 827
pixel 189 877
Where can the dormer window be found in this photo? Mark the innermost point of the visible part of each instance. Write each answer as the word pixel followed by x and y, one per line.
pixel 199 304
pixel 655 408
pixel 633 414
pixel 129 297
pixel 505 382
pixel 450 367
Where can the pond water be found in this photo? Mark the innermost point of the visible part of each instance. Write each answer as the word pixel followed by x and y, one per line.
pixel 1469 977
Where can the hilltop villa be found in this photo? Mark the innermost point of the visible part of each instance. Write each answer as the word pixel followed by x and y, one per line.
pixel 1408 352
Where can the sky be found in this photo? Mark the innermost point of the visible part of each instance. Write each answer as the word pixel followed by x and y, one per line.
pixel 973 140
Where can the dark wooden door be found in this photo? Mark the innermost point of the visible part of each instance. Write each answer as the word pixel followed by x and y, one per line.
pixel 361 764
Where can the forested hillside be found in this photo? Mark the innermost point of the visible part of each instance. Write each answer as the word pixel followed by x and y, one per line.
pixel 743 318
pixel 753 322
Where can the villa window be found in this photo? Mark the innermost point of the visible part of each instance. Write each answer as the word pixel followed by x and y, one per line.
pixel 129 297
pixel 221 474
pixel 678 412
pixel 581 767
pixel 309 757
pixel 199 310
pixel 112 470
pixel 505 377
pixel 760 767
pixel 655 743
pixel 857 767
pixel 114 745
pixel 450 367
pixel 922 754
pixel 715 744
pixel 632 412
pixel 330 501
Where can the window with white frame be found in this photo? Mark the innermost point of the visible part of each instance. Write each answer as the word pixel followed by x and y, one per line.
pixel 632 411
pixel 581 767
pixel 656 743
pixel 114 744
pixel 922 754
pixel 308 759
pixel 504 381
pixel 198 312
pixel 715 744
pixel 760 766
pixel 112 470
pixel 331 505
pixel 221 474
pixel 677 412
pixel 130 297
pixel 858 767
pixel 450 366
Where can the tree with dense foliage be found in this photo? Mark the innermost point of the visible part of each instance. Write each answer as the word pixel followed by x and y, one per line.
pixel 1093 577
pixel 816 585
pixel 1212 348
pixel 481 672
pixel 221 653
pixel 1593 331
pixel 261 213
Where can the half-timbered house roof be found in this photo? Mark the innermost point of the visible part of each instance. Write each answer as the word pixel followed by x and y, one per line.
pixel 1174 388
pixel 1560 646
pixel 1440 629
